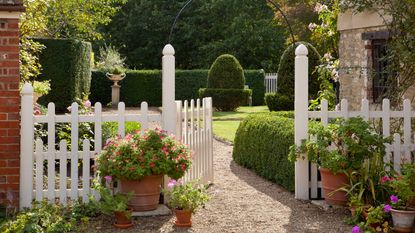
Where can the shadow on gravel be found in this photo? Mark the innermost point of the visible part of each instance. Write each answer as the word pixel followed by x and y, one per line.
pixel 304 217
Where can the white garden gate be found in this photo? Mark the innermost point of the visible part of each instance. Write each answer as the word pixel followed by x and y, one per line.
pixel 190 121
pixel 306 175
pixel 271 81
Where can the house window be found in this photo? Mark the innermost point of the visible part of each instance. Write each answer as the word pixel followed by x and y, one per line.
pixel 381 72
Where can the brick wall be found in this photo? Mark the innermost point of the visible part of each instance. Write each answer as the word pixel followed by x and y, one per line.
pixel 9 112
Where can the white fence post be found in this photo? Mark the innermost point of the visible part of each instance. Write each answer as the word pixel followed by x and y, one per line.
pixel 169 104
pixel 26 146
pixel 301 119
pixel 169 114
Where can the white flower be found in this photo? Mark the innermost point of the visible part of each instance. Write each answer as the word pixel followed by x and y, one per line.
pixel 312 26
pixel 320 7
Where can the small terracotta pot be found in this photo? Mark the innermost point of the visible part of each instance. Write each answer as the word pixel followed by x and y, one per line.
pixel 332 182
pixel 121 221
pixel 183 218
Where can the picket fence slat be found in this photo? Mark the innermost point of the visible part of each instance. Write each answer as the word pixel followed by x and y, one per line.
pixel 74 150
pixel 63 170
pixel 386 128
pixel 51 151
pixel 86 170
pixel 144 113
pixel 39 170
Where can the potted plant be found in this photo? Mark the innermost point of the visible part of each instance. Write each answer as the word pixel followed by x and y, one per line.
pixel 375 221
pixel 139 163
pixel 365 188
pixel 184 199
pixel 338 150
pixel 403 198
pixel 115 204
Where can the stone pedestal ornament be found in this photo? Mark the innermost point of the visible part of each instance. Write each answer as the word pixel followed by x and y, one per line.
pixel 115 89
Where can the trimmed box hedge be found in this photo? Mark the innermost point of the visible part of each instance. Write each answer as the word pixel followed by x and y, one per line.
pixel 262 144
pixel 226 100
pixel 145 85
pixel 67 64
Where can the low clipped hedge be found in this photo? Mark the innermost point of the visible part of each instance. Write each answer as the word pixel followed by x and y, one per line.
pixel 278 102
pixel 226 99
pixel 67 64
pixel 145 85
pixel 262 144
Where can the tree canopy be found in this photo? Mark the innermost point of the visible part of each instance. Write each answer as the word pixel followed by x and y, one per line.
pixel 206 29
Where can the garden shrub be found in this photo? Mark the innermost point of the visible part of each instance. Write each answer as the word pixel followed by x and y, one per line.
pixel 255 80
pixel 225 84
pixel 67 64
pixel 278 102
pixel 45 217
pixel 188 83
pixel 262 144
pixel 286 71
pixel 226 73
pixel 226 99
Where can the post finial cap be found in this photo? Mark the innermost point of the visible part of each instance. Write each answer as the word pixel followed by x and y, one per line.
pixel 168 50
pixel 301 50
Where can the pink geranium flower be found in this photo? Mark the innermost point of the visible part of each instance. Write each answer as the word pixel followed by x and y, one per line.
pixel 171 183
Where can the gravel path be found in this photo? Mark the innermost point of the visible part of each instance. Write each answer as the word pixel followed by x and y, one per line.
pixel 243 202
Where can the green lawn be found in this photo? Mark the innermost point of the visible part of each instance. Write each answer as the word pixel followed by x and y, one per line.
pixel 225 124
pixel 240 114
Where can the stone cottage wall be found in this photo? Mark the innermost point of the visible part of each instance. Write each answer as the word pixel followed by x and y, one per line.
pixel 356 66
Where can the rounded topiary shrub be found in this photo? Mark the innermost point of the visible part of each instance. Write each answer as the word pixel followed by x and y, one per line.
pixel 278 102
pixel 226 99
pixel 226 72
pixel 262 143
pixel 286 71
pixel 225 84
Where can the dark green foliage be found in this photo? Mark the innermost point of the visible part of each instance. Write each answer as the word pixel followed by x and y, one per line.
pixel 255 80
pixel 278 102
pixel 226 72
pixel 286 71
pixel 226 100
pixel 45 217
pixel 67 64
pixel 261 144
pixel 188 83
pixel 205 30
pixel 225 84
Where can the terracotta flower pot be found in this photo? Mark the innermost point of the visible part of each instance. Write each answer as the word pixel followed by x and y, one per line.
pixel 183 218
pixel 330 183
pixel 403 220
pixel 146 192
pixel 122 221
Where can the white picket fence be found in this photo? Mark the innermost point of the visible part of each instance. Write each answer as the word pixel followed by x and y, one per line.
pixel 195 129
pixel 306 175
pixel 271 81
pixel 192 124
